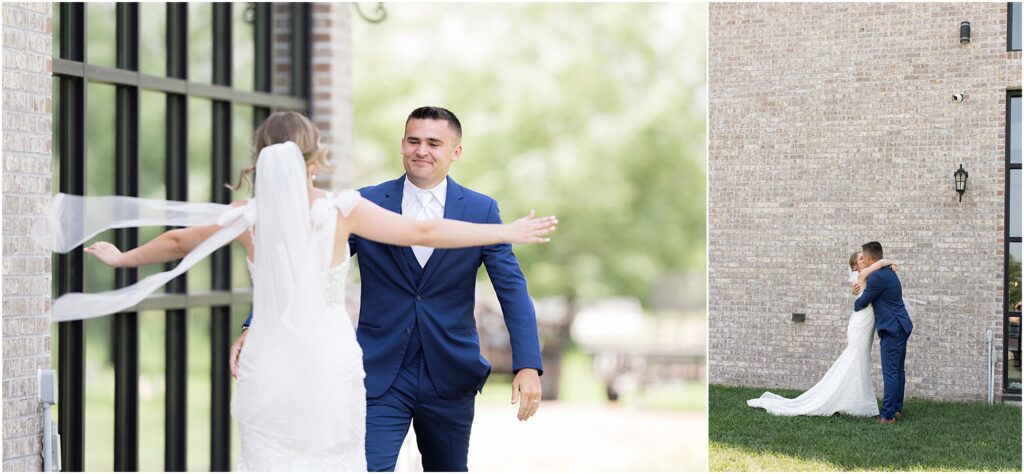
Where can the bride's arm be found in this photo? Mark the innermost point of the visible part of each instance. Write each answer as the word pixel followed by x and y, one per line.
pixel 862 277
pixel 166 247
pixel 373 222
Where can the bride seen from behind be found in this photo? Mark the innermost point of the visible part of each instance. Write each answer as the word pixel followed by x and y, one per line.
pixel 300 402
pixel 846 387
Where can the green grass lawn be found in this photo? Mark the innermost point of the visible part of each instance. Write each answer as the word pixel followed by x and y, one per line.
pixel 932 436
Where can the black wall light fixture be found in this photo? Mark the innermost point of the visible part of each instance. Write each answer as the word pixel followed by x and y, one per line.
pixel 965 32
pixel 960 179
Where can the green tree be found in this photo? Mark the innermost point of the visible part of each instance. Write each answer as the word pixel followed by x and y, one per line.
pixel 592 112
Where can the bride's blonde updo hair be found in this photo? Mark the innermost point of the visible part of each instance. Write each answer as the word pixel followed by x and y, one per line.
pixel 281 127
pixel 853 261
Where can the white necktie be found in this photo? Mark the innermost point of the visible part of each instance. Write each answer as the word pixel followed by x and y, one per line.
pixel 425 212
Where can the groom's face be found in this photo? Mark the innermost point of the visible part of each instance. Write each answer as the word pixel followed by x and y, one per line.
pixel 428 149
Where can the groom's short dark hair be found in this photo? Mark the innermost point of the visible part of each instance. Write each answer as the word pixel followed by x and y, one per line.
pixel 873 250
pixel 437 113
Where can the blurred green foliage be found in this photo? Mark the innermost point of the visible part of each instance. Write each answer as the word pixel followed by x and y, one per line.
pixel 593 112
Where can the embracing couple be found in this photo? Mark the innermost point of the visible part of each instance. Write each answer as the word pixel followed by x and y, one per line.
pixel 847 386
pixel 313 392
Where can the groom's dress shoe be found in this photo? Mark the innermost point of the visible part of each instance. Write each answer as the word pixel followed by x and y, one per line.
pixel 887 421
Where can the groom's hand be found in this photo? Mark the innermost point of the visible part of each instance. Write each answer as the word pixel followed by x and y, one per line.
pixel 236 352
pixel 526 390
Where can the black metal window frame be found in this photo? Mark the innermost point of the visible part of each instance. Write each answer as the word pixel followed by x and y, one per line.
pixel 1010 24
pixel 73 73
pixel 1008 393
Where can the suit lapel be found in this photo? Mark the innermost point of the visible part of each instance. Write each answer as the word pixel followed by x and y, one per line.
pixel 454 209
pixel 393 202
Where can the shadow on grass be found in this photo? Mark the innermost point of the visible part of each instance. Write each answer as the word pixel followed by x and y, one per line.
pixel 932 436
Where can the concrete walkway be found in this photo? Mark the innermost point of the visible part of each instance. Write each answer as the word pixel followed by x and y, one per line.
pixel 597 437
pixel 600 437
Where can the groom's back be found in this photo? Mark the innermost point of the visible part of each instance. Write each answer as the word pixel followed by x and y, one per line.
pixel 889 308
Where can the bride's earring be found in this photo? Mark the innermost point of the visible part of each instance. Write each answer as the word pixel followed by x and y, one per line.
pixel 314 176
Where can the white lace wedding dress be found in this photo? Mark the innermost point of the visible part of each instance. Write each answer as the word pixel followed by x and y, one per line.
pixel 319 372
pixel 846 387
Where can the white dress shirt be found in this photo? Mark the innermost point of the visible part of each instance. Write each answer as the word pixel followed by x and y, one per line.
pixel 424 204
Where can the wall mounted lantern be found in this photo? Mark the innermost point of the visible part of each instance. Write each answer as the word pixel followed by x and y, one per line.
pixel 960 178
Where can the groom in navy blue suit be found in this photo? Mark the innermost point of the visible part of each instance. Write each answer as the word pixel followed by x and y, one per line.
pixel 884 292
pixel 421 350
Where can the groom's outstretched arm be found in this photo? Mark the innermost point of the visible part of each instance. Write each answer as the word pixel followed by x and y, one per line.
pixel 871 291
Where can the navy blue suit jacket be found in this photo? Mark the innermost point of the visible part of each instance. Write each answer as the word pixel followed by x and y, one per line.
pixel 440 305
pixel 884 291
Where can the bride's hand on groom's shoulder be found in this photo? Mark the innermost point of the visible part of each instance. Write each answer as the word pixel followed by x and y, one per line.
pixel 531 229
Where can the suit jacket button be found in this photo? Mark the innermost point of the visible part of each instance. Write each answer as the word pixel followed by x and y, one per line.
pixel 408 331
pixel 419 298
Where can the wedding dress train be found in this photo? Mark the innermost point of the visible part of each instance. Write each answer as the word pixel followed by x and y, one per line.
pixel 845 388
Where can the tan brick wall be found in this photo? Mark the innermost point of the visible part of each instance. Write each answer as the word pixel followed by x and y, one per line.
pixel 832 125
pixel 332 84
pixel 281 28
pixel 332 80
pixel 26 191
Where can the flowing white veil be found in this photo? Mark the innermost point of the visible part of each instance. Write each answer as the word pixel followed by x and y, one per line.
pixel 72 220
pixel 282 261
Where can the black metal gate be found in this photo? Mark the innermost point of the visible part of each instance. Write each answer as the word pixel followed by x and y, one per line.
pixel 72 73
